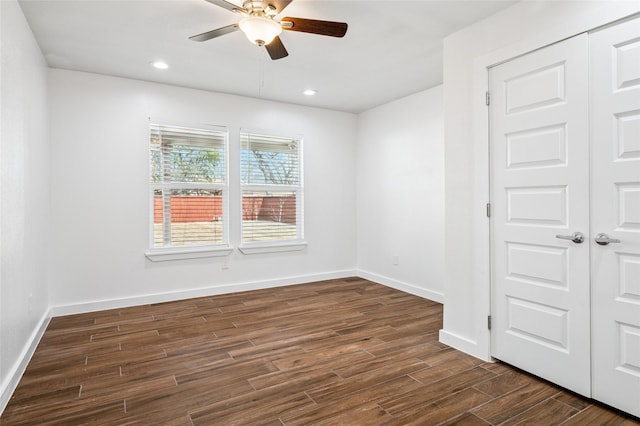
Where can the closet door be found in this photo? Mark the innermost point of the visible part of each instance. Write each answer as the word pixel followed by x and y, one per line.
pixel 615 211
pixel 539 148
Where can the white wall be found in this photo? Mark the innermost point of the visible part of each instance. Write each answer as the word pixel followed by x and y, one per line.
pixel 24 195
pixel 99 154
pixel 400 192
pixel 467 54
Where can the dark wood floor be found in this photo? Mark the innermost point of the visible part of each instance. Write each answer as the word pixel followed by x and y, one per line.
pixel 340 352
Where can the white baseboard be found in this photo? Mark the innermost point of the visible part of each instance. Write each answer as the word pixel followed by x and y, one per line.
pixel 402 286
pixel 14 375
pixel 462 344
pixel 100 305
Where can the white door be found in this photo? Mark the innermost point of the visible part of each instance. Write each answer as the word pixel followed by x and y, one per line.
pixel 615 211
pixel 540 189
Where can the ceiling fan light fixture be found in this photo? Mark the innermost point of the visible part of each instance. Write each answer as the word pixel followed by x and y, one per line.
pixel 260 30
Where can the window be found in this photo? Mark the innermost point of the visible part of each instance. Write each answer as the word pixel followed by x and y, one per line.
pixel 272 192
pixel 188 178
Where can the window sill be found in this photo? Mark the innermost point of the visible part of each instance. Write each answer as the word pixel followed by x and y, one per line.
pixel 273 247
pixel 161 255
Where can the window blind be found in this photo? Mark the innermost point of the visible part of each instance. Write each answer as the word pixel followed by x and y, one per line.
pixel 188 177
pixel 269 160
pixel 272 191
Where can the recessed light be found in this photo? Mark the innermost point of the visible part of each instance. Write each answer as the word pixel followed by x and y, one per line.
pixel 309 92
pixel 160 65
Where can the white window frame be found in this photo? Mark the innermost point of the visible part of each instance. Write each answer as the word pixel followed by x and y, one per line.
pixel 296 244
pixel 193 251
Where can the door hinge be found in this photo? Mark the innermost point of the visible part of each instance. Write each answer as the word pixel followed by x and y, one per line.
pixel 487 98
pixel 488 209
pixel 489 322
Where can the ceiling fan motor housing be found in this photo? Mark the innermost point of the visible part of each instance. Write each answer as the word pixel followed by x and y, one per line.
pixel 259 8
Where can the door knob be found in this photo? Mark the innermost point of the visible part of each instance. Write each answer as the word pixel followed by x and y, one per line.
pixel 603 239
pixel 576 237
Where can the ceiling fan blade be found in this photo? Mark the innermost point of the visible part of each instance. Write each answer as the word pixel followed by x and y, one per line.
pixel 328 28
pixel 276 49
pixel 226 5
pixel 279 4
pixel 215 33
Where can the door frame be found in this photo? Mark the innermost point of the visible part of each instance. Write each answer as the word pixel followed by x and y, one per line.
pixel 480 240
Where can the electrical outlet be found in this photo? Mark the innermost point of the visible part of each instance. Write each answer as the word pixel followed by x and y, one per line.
pixel 396 260
pixel 225 266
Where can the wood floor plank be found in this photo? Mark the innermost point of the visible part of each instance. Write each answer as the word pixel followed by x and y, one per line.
pixel 188 397
pixel 516 402
pixel 366 380
pixel 367 414
pixel 572 400
pixel 22 407
pixel 504 383
pixel 362 341
pixel 550 411
pixel 297 379
pixel 66 410
pixel 34 385
pixel 442 370
pixel 70 321
pixel 597 415
pixel 443 409
pixel 137 420
pixel 335 352
pixel 371 364
pixel 332 358
pixel 422 344
pixel 265 404
pixel 204 345
pixel 321 412
pixel 466 419
pixel 324 360
pixel 396 405
pixel 226 371
pixel 112 387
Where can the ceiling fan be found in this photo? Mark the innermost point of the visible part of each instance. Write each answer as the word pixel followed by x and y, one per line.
pixel 261 28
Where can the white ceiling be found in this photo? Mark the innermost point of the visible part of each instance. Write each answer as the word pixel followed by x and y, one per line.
pixel 392 49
